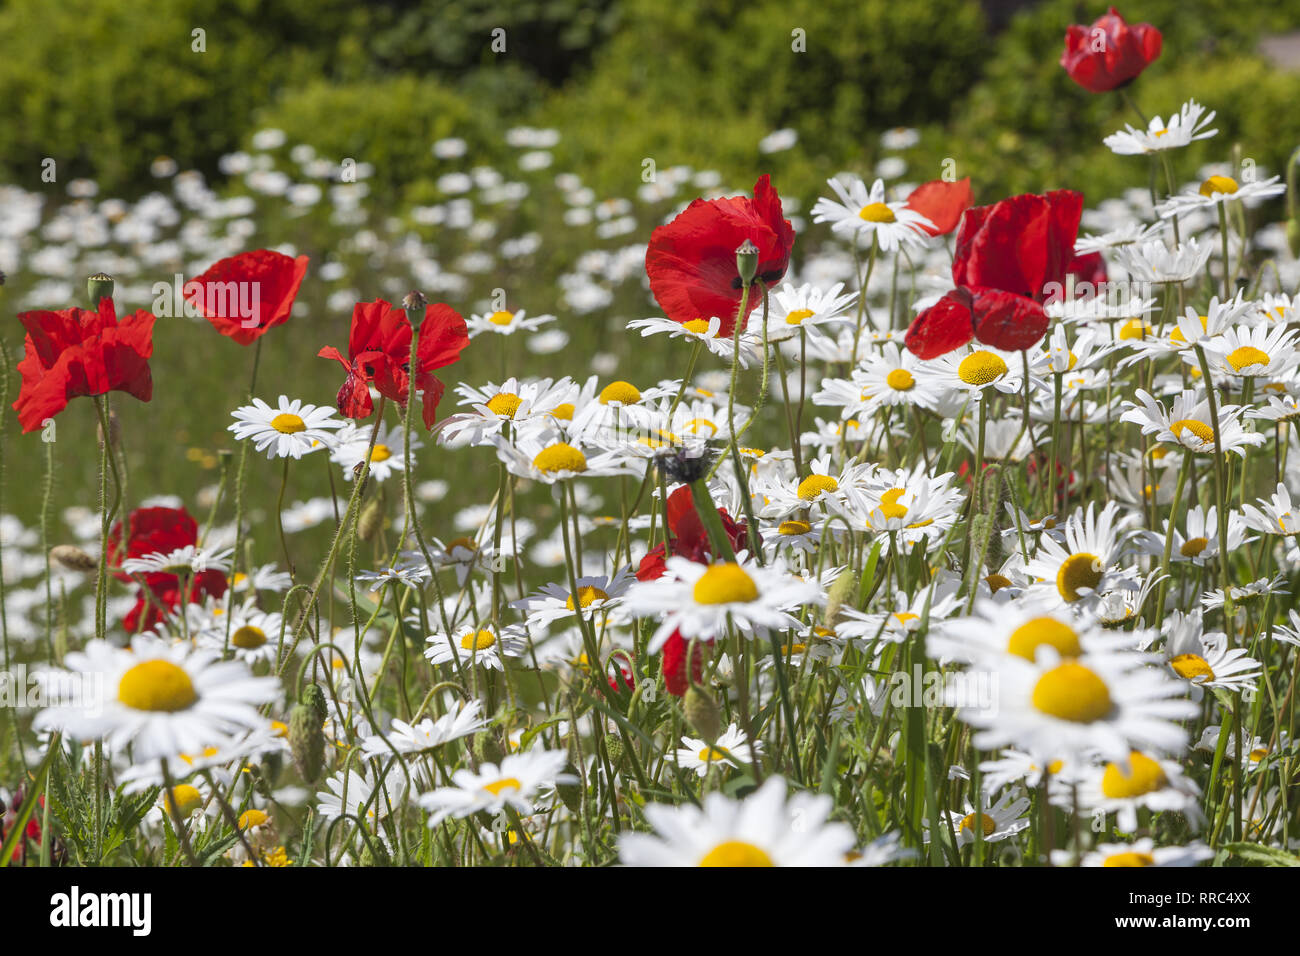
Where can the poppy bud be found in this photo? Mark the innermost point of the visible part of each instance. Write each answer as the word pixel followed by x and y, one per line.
pixel 570 793
pixel 415 303
pixel 747 261
pixel 839 592
pixel 99 286
pixel 702 712
pixel 487 749
pixel 313 695
pixel 371 520
pixel 73 558
pixel 614 747
pixel 306 741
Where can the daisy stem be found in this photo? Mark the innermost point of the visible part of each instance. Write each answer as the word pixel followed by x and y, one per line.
pixel 279 517
pixel 1223 236
pixel 1169 533
pixel 1219 490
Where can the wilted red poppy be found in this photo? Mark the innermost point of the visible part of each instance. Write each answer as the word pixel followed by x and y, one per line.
pixel 1018 245
pixel 246 295
pixel 164 530
pixel 75 352
pixel 942 203
pixel 1003 320
pixel 691 261
pixel 673 663
pixel 379 350
pixel 1109 53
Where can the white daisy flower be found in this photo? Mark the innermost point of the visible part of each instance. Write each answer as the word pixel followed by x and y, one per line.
pixel 730 749
pixel 764 829
pixel 864 213
pixel 291 429
pixel 162 700
pixel 1219 189
pixel 492 788
pixel 503 322
pixel 1187 423
pixel 1187 125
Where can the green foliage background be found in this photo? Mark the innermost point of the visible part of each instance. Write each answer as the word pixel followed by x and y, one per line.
pixel 105 86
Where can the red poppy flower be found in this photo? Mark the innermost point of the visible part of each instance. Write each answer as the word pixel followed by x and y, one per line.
pixel 1003 320
pixel 163 530
pixel 674 664
pixel 246 295
pixel 1109 53
pixel 379 350
pixel 691 261
pixel 75 352
pixel 942 203
pixel 1019 245
pixel 687 537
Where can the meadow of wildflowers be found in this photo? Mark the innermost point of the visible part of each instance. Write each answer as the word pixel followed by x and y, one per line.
pixel 899 531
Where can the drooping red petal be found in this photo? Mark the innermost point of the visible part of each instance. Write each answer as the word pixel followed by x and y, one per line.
pixel 942 203
pixel 1007 321
pixel 946 325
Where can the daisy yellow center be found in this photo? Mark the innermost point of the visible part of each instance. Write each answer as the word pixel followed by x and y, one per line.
pixel 478 640
pixel 798 315
pixel 814 485
pixel 1192 666
pixel 586 596
pixel 725 583
pixel 794 527
pixel 623 392
pixel 710 754
pixel 279 728
pixel 1177 334
pixel 1219 184
pixel 695 425
pixel 252 818
pixel 1078 571
pixel 1201 430
pixel 889 506
pixel 248 637
pixel 501 318
pixel 156 685
pixel 736 853
pixel 876 212
pixel 1258 754
pixel 560 457
pixel 465 543
pixel 380 453
pixel 697 326
pixel 1030 636
pixel 981 367
pixel 906 617
pixel 1133 329
pixel 1129 859
pixel 1072 361
pixel 1247 355
pixel 287 423
pixel 900 380
pixel 505 783
pixel 997 582
pixel 188 799
pixel 504 403
pixel 1144 776
pixel 986 823
pixel 1072 692
pixel 564 412
pixel 1193 547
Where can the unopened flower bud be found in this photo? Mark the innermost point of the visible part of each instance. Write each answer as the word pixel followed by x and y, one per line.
pixel 487 749
pixel 99 286
pixel 414 304
pixel 306 741
pixel 747 261
pixel 570 793
pixel 702 711
pixel 614 747
pixel 73 558
pixel 371 520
